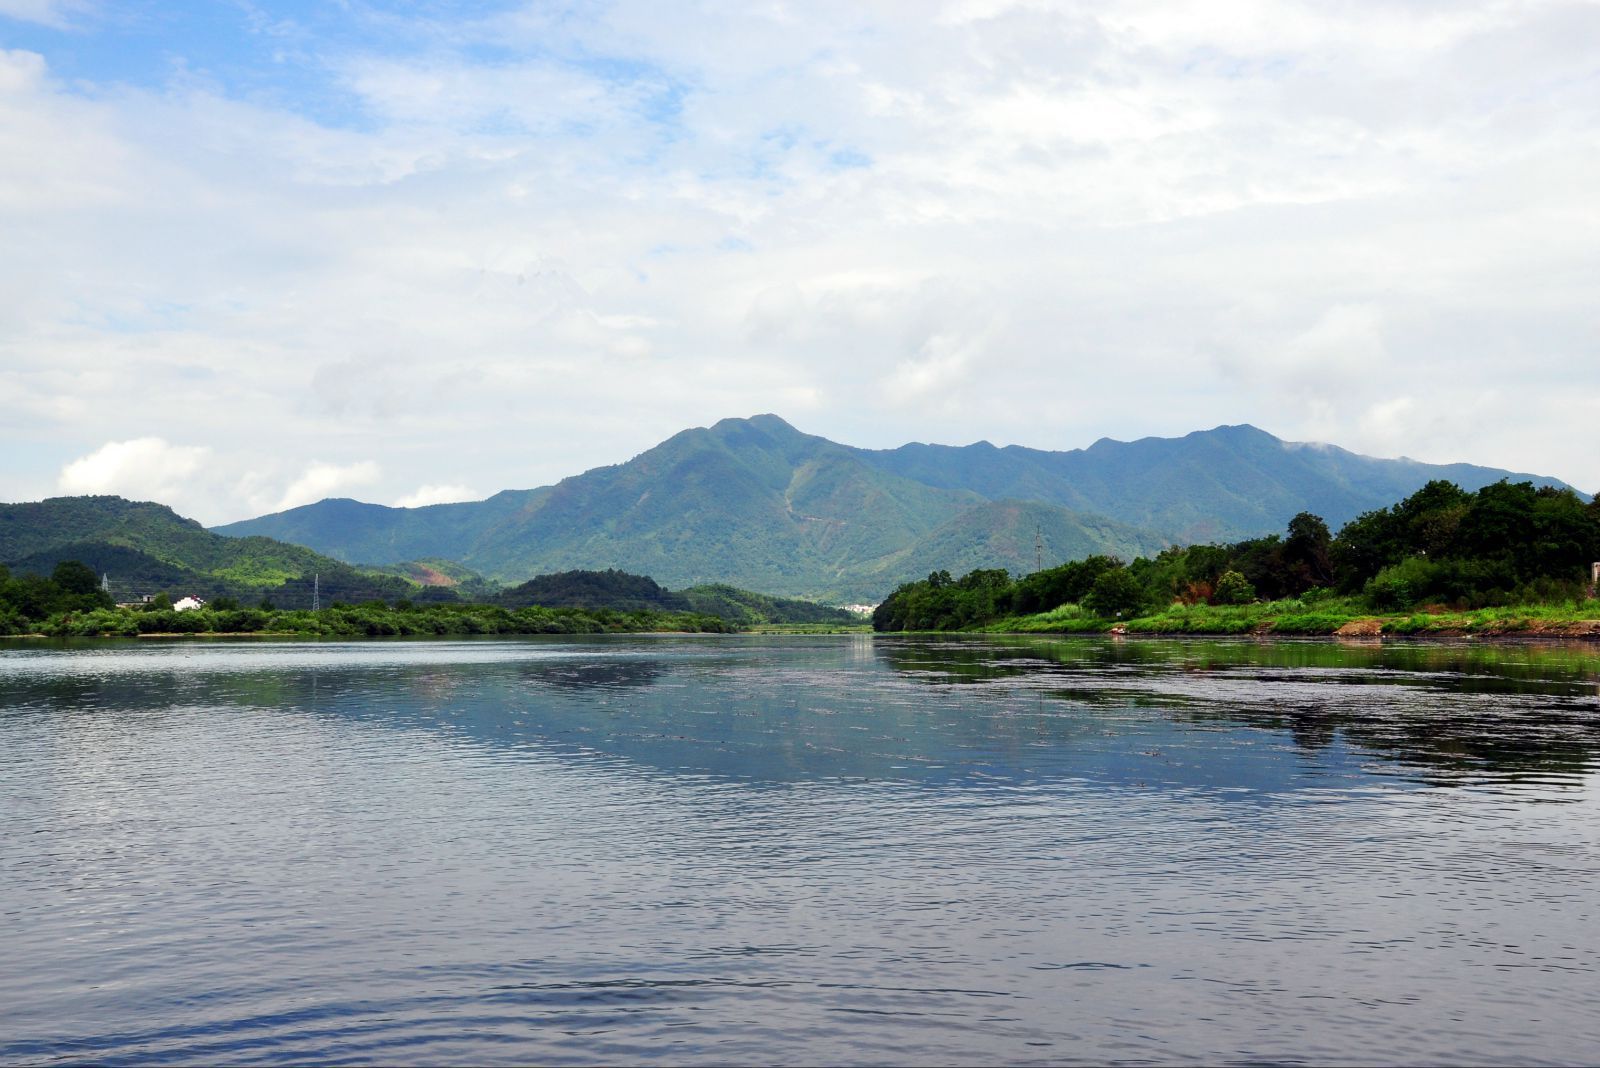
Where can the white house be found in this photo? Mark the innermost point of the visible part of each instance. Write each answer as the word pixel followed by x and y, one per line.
pixel 187 603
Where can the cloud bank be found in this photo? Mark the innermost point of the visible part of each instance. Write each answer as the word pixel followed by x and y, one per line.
pixel 393 250
pixel 142 469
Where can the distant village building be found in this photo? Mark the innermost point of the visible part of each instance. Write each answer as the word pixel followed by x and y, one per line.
pixel 187 604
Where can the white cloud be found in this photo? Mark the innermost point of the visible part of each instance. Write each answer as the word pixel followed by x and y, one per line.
pixel 57 13
pixel 426 495
pixel 144 469
pixel 325 480
pixel 1386 423
pixel 201 483
pixel 1013 221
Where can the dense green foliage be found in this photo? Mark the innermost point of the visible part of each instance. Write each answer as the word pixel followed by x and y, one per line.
pixel 1440 549
pixel 756 503
pixel 611 588
pixel 70 588
pixel 751 609
pixel 1505 541
pixel 621 591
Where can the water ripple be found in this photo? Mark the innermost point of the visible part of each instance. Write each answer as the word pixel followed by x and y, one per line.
pixel 782 851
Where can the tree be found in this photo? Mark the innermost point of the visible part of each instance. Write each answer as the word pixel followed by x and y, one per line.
pixel 1307 553
pixel 1115 593
pixel 75 588
pixel 1053 587
pixel 1260 560
pixel 1364 546
pixel 73 577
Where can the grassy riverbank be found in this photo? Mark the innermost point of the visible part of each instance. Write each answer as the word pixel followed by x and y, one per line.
pixel 1319 616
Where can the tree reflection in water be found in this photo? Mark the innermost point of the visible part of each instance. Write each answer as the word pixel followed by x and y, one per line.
pixel 1508 709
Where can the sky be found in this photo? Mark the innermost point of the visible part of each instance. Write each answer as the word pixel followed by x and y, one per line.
pixel 257 253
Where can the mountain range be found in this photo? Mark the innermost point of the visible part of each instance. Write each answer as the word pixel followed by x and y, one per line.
pixel 758 504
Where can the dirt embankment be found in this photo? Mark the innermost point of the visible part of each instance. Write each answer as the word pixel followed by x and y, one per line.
pixel 1509 628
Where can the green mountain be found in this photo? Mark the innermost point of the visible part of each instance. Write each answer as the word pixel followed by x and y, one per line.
pixel 751 503
pixel 1019 536
pixel 1223 484
pixel 375 534
pixel 756 503
pixel 148 548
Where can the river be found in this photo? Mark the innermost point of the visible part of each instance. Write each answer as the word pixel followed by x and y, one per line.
pixel 845 849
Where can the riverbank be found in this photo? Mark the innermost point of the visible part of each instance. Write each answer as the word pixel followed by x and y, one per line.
pixel 1573 619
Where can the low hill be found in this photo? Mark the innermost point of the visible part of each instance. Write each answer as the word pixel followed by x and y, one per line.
pixel 748 609
pixel 613 589
pixel 624 592
pixel 147 548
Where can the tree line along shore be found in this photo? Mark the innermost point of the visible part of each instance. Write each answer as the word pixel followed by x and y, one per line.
pixel 1510 558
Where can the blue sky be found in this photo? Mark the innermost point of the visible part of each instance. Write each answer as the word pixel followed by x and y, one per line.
pixel 254 253
pixel 290 55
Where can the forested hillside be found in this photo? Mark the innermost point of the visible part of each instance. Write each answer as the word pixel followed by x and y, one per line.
pixel 148 549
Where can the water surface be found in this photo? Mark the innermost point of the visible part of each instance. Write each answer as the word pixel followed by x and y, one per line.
pixel 782 850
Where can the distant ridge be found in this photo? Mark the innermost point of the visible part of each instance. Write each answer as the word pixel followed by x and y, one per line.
pixel 1225 483
pixel 758 504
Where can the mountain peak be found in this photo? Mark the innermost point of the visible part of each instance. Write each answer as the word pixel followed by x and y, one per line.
pixel 765 423
pixel 1234 430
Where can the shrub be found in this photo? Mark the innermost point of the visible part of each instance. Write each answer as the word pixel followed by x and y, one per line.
pixel 1399 586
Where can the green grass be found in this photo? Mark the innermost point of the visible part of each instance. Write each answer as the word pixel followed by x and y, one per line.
pixel 1313 616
